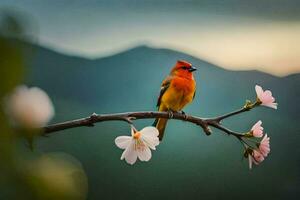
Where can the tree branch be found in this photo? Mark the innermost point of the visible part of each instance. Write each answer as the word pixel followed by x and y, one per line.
pixel 128 117
pixel 204 123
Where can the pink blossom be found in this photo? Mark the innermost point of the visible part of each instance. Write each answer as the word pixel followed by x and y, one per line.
pixel 256 157
pixel 257 129
pixel 265 97
pixel 264 146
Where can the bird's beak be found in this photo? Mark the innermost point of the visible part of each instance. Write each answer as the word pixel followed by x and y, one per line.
pixel 192 69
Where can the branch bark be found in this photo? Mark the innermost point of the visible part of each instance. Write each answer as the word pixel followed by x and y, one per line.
pixel 204 123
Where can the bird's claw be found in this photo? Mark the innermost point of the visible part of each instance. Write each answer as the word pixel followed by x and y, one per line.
pixel 184 115
pixel 171 114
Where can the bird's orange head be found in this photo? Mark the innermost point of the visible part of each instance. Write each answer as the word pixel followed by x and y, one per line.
pixel 183 69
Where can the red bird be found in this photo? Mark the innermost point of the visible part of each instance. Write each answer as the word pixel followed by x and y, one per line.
pixel 177 90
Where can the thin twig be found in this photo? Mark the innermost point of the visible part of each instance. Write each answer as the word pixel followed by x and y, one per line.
pixel 220 118
pixel 217 125
pixel 247 107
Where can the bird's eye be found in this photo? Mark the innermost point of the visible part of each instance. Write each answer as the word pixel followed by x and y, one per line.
pixel 184 67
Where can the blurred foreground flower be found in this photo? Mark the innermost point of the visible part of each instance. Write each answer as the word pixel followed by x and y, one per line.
pixel 257 129
pixel 138 145
pixel 29 107
pixel 265 97
pixel 58 176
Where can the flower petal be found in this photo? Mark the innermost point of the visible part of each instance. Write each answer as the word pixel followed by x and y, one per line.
pixel 150 131
pixel 266 98
pixel 150 136
pixel 130 154
pixel 256 125
pixel 259 91
pixel 123 141
pixel 257 129
pixel 268 93
pixel 145 154
pixel 271 105
pixel 264 146
pixel 150 141
pixel 265 138
pixel 258 157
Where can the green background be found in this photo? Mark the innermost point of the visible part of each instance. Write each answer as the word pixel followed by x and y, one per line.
pixel 187 164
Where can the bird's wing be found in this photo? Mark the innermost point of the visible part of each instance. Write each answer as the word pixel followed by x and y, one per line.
pixel 164 86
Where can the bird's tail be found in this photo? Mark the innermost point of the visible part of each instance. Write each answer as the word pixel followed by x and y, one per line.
pixel 160 124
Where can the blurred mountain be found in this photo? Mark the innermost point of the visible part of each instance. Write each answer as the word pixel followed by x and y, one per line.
pixel 187 164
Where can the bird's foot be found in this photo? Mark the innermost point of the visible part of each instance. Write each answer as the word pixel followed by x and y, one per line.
pixel 171 114
pixel 184 115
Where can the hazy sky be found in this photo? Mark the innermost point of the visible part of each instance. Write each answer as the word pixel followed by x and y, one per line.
pixel 235 34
